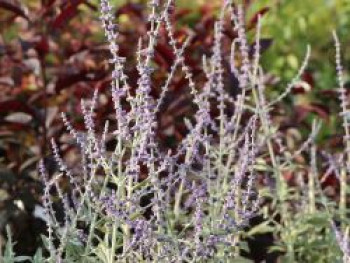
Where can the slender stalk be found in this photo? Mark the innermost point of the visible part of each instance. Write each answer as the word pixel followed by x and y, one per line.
pixel 346 138
pixel 311 182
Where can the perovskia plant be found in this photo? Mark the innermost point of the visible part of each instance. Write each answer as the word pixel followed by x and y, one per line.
pixel 141 203
pixel 198 198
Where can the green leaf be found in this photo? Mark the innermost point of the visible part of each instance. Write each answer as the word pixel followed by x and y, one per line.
pixel 46 241
pixel 277 248
pixel 262 228
pixel 240 260
pixel 22 258
pixel 74 249
pixel 9 255
pixel 318 220
pixel 38 257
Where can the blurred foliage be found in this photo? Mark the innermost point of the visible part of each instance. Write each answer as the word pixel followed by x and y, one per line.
pixel 293 25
